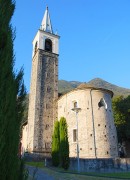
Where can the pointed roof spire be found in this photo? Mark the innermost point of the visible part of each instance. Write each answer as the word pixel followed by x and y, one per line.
pixel 46 22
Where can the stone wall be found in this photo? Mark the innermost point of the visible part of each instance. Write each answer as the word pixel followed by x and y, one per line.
pixel 101 165
pixel 87 165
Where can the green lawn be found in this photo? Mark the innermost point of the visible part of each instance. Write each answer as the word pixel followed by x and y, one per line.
pixel 36 164
pixel 116 174
pixel 59 173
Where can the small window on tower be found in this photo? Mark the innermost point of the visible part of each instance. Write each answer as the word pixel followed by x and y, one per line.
pixel 48 45
pixel 47 126
pixel 48 89
pixel 35 49
pixel 47 106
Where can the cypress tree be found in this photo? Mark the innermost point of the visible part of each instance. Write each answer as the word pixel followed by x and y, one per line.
pixel 12 93
pixel 56 144
pixel 64 144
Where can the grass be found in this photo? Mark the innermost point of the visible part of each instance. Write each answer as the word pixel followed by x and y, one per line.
pixel 60 174
pixel 36 164
pixel 116 174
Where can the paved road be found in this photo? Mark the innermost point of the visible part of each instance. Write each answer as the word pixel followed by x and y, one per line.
pixel 38 173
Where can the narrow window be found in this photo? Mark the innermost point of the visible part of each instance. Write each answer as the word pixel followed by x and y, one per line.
pixel 88 105
pixel 74 135
pixel 46 106
pixel 48 89
pixel 35 49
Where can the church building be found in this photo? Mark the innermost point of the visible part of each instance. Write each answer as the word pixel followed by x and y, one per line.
pixel 87 109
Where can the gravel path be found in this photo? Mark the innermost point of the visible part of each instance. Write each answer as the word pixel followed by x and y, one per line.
pixel 38 174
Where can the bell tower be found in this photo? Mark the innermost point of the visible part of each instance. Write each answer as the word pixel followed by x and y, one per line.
pixel 43 89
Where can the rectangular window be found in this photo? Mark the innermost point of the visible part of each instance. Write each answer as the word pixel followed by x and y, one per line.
pixel 74 135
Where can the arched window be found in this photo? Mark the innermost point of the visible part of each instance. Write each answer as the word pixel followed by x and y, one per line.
pixel 48 45
pixel 75 104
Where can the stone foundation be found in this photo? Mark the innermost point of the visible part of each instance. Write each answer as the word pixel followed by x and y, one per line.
pixel 101 165
pixel 87 165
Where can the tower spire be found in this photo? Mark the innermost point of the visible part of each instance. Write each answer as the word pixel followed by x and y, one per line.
pixel 46 22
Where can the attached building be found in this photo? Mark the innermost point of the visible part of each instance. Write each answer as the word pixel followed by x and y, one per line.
pixel 97 136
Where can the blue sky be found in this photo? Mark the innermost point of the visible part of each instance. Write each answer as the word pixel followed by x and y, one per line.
pixel 95 38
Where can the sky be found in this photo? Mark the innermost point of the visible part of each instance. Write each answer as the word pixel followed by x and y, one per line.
pixel 94 38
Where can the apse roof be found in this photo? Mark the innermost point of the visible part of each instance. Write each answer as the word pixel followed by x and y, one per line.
pixel 86 85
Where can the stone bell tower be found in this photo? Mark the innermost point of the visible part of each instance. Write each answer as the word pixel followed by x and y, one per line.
pixel 44 88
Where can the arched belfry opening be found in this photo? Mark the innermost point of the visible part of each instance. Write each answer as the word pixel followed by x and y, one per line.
pixel 48 45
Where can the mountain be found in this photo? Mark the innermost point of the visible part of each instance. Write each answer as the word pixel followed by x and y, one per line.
pixel 104 84
pixel 66 86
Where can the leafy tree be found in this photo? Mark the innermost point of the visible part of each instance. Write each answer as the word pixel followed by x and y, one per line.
pixel 121 110
pixel 64 144
pixel 56 144
pixel 12 93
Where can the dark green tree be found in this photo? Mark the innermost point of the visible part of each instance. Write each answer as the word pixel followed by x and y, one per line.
pixel 64 144
pixel 121 110
pixel 56 144
pixel 12 93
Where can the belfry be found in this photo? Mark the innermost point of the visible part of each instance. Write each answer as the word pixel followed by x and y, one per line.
pixel 43 89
